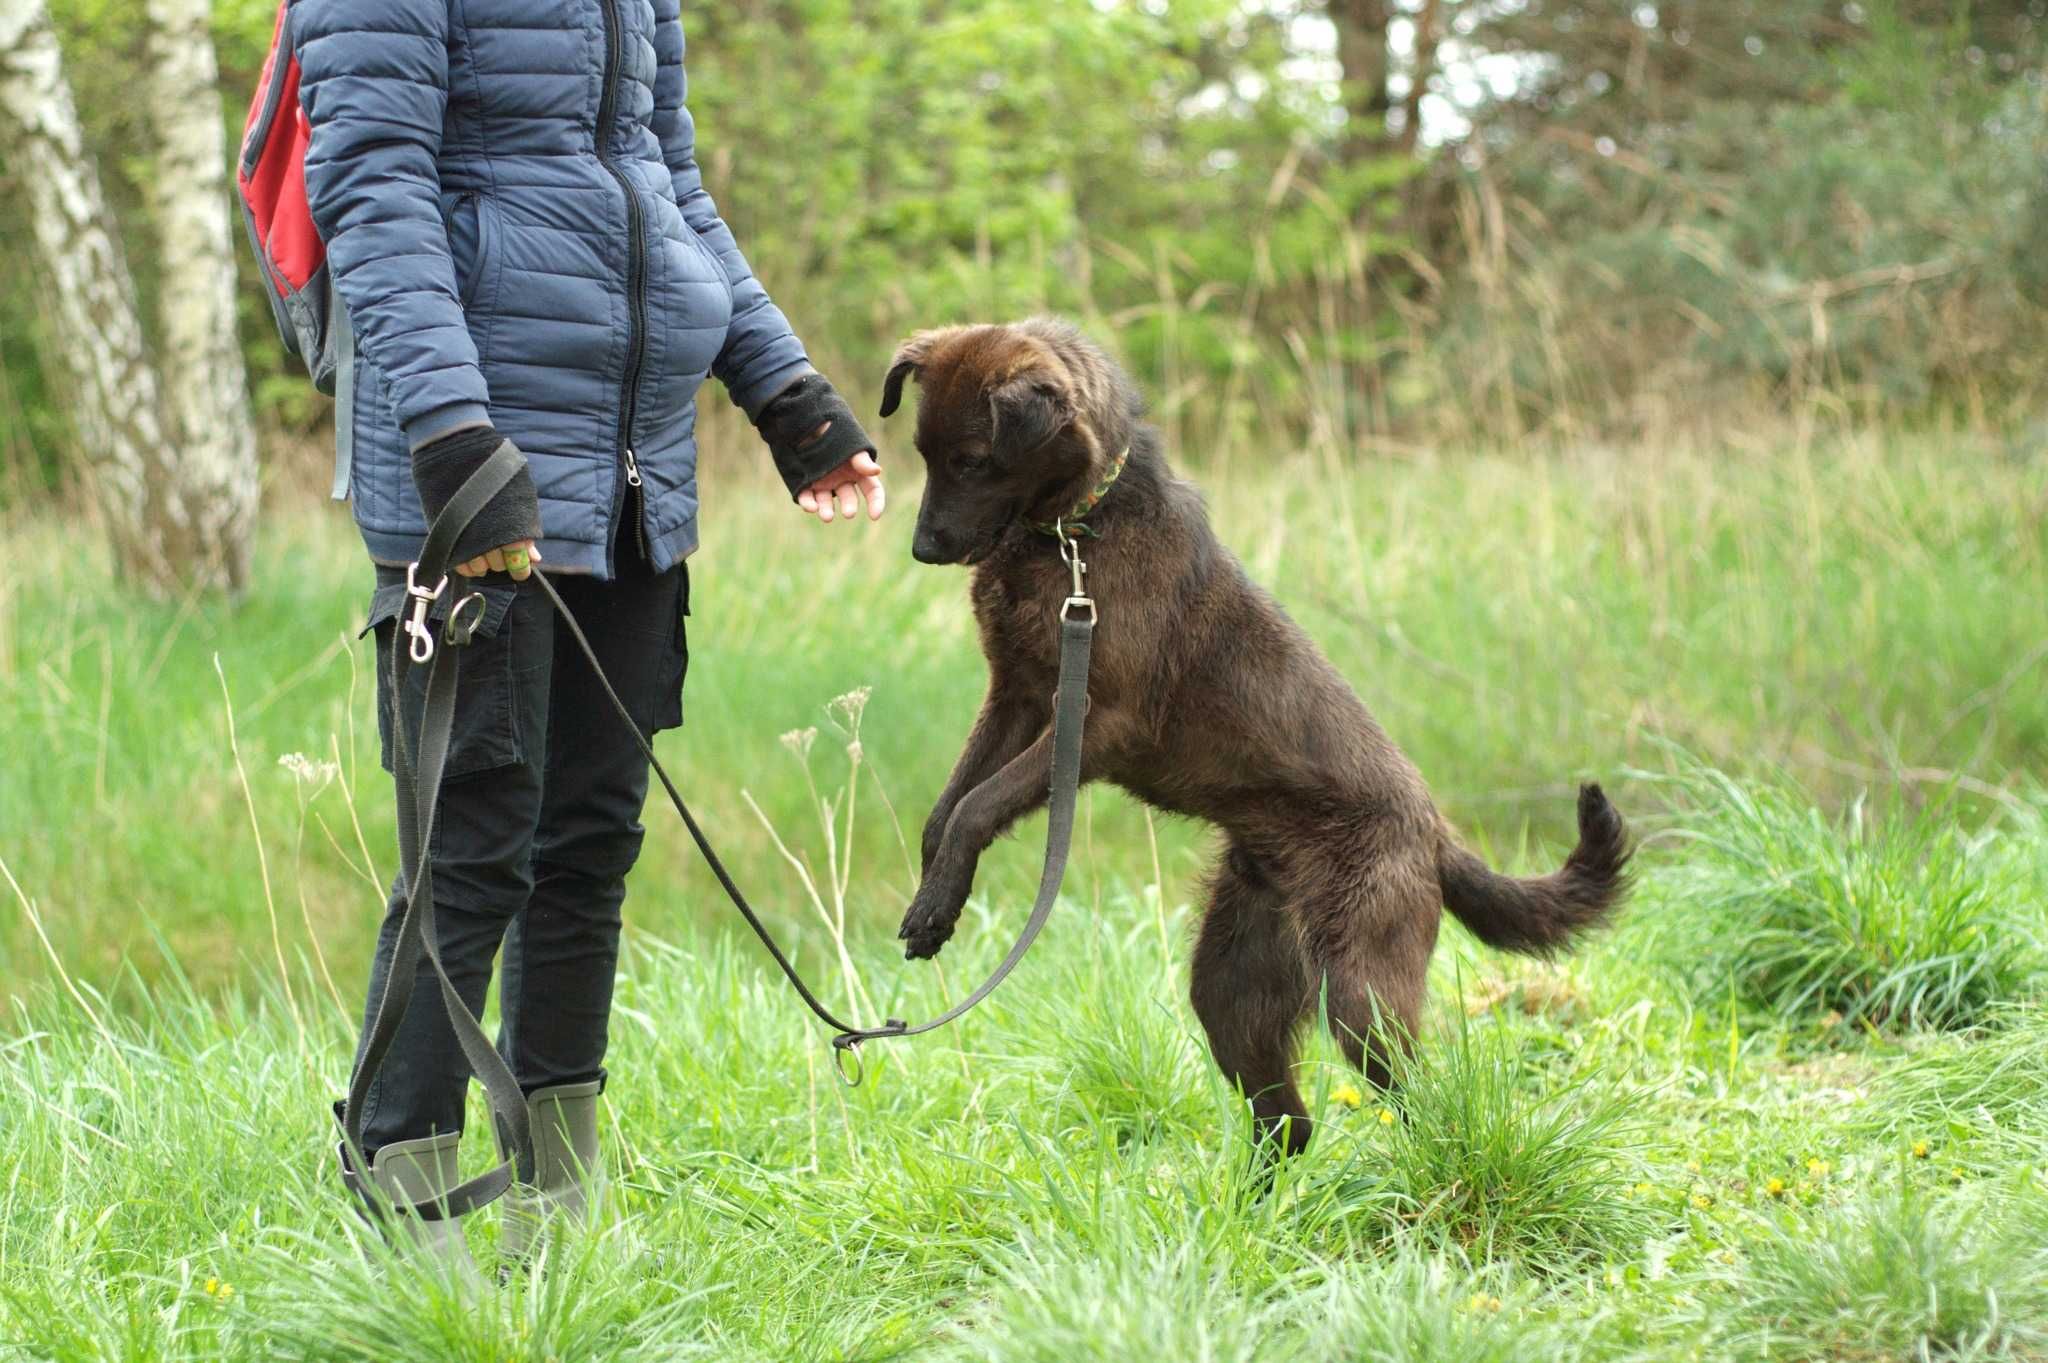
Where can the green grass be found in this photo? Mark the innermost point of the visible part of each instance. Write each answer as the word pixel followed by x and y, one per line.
pixel 1793 1107
pixel 1892 1273
pixel 1868 917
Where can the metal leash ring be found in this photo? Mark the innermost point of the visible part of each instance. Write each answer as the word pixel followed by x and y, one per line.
pixel 460 629
pixel 848 1044
pixel 844 1048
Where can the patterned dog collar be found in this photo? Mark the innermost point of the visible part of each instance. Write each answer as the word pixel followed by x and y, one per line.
pixel 1074 520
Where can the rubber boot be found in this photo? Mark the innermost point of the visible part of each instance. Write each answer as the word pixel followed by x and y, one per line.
pixel 421 1171
pixel 565 1167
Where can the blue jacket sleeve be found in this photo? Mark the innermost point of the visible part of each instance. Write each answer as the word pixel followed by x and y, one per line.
pixel 374 84
pixel 761 356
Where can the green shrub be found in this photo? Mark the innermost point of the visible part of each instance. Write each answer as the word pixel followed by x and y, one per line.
pixel 1895 917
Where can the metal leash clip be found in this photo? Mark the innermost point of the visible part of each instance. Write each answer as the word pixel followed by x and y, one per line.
pixel 1070 551
pixel 416 624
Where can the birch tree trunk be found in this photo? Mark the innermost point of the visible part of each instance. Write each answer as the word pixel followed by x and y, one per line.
pixel 199 355
pixel 165 534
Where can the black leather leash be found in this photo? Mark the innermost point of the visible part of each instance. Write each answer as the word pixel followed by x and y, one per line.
pixel 419 775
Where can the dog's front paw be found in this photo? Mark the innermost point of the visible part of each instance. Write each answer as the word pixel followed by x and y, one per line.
pixel 928 924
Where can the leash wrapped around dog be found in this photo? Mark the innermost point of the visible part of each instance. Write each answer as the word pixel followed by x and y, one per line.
pixel 419 772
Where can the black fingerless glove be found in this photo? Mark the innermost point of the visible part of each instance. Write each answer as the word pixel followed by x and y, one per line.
pixel 793 414
pixel 441 467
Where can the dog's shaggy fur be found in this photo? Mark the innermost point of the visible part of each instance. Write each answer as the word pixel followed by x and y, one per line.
pixel 1205 700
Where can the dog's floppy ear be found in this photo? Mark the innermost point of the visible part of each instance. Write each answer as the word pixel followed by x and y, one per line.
pixel 1028 412
pixel 892 386
pixel 909 360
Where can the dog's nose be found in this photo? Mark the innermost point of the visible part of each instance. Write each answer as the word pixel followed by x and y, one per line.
pixel 925 548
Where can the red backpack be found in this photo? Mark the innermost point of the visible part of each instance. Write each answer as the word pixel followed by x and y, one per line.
pixel 271 179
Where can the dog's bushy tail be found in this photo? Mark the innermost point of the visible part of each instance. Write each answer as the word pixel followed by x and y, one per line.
pixel 1541 914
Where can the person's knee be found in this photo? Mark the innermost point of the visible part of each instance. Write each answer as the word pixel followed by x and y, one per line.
pixel 600 857
pixel 493 884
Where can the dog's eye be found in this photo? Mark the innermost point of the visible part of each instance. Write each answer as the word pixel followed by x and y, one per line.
pixel 971 458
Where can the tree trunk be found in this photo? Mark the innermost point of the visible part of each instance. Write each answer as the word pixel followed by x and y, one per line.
pixel 164 533
pixel 1362 53
pixel 1424 66
pixel 206 396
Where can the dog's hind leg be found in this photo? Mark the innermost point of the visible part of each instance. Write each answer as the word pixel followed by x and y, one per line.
pixel 1249 988
pixel 1368 946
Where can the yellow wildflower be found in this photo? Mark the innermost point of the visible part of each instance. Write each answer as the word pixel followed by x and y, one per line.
pixel 1692 1166
pixel 1817 1167
pixel 1702 1201
pixel 1920 1149
pixel 1776 1187
pixel 218 1290
pixel 1481 1301
pixel 1348 1095
pixel 1955 1175
pixel 1386 1116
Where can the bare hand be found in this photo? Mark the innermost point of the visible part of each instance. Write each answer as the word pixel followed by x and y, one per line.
pixel 516 558
pixel 843 490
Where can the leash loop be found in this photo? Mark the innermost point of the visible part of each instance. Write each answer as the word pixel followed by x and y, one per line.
pixel 418 763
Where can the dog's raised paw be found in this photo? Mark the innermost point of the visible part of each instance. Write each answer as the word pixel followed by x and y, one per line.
pixel 924 932
pixel 923 936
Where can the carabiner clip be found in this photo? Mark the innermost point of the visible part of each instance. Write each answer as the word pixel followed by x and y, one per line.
pixel 416 624
pixel 1070 550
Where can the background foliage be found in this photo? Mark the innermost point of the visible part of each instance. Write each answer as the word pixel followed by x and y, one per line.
pixel 1618 216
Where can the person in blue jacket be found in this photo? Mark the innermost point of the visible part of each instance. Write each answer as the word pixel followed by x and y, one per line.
pixel 524 250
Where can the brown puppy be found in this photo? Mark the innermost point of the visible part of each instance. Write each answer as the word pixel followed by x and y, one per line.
pixel 1205 699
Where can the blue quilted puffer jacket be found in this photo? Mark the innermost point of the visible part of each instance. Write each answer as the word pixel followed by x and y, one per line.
pixel 518 233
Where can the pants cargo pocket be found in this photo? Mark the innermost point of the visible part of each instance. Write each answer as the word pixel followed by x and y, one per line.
pixel 486 733
pixel 668 709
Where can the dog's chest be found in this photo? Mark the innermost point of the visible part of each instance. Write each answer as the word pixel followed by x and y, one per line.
pixel 1016 608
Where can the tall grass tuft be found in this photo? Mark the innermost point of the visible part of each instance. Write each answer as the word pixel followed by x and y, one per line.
pixel 1988 1082
pixel 1894 1275
pixel 1887 918
pixel 1417 1308
pixel 1469 1156
pixel 353 1296
pixel 1053 1306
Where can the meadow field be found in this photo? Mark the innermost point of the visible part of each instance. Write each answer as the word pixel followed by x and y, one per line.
pixel 1793 1106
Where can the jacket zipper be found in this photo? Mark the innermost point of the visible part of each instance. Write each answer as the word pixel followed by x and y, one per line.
pixel 636 288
